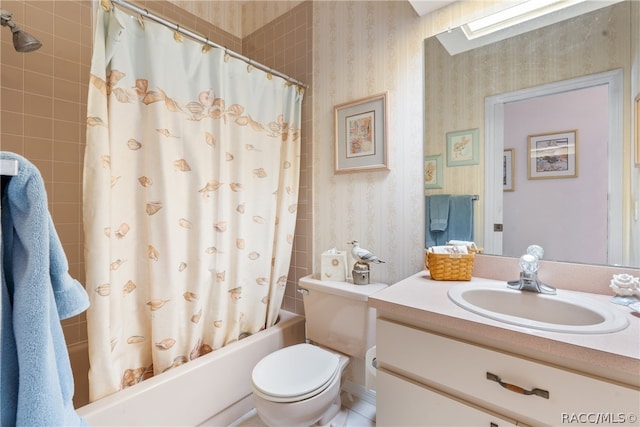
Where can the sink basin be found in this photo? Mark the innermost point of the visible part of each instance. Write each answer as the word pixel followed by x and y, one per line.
pixel 567 311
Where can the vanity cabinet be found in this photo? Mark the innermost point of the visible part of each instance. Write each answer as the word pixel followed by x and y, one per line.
pixel 425 378
pixel 402 402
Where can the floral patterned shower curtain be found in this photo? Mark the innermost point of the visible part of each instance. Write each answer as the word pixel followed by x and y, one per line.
pixel 190 194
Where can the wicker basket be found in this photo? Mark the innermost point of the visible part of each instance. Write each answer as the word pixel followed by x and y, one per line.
pixel 449 266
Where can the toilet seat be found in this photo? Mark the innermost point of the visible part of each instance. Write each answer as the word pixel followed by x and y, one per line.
pixel 294 373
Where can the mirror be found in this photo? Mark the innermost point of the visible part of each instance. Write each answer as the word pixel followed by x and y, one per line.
pixel 477 89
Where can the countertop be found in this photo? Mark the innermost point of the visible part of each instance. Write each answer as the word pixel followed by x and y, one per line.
pixel 422 302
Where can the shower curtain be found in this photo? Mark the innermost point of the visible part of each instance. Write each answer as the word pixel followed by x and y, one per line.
pixel 190 195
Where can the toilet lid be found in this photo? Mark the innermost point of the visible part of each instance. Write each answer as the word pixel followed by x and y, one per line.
pixel 295 373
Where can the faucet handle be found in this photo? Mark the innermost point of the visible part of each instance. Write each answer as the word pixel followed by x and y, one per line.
pixel 536 251
pixel 529 263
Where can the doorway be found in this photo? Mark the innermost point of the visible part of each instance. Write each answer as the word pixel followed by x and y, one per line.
pixel 495 144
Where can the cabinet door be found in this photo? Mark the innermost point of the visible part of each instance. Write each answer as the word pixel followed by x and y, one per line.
pixel 402 402
pixel 489 378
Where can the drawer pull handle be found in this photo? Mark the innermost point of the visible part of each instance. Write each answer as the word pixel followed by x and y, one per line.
pixel 518 389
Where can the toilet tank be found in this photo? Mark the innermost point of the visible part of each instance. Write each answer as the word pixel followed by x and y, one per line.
pixel 337 315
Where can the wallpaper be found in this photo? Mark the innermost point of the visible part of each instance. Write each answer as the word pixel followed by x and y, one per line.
pixel 239 18
pixel 362 49
pixel 226 15
pixel 255 14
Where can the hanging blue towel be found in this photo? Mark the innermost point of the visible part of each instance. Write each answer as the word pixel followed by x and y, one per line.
pixel 439 212
pixel 36 381
pixel 434 237
pixel 460 225
pixel 458 222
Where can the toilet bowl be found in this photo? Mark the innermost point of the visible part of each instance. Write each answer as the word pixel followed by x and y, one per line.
pixel 298 386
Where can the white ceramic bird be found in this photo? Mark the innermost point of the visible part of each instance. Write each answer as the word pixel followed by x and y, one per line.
pixel 362 254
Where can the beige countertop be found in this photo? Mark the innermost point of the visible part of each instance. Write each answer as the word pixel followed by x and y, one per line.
pixel 422 302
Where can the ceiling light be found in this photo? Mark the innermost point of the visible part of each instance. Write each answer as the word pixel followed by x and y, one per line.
pixel 518 14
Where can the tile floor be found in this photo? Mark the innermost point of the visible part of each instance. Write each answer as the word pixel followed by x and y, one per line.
pixel 359 413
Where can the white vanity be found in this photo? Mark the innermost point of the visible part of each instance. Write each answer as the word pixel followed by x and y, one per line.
pixel 442 365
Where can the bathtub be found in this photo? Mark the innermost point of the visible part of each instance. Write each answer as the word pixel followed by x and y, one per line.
pixel 211 390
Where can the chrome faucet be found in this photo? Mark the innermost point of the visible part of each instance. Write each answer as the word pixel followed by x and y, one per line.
pixel 529 263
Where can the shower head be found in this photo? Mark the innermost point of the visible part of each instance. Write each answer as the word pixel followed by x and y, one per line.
pixel 22 41
pixel 25 42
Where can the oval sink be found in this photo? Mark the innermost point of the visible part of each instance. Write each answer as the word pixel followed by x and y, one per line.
pixel 564 312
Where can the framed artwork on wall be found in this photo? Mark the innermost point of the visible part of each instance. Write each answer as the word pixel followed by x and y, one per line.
pixel 507 170
pixel 462 147
pixel 553 155
pixel 360 129
pixel 433 172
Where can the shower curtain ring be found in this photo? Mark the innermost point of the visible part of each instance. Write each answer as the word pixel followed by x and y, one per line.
pixel 177 36
pixel 206 47
pixel 140 21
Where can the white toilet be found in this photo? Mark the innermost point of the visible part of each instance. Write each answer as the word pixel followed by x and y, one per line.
pixel 300 385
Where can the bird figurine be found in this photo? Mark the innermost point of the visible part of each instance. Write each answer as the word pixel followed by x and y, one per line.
pixel 362 254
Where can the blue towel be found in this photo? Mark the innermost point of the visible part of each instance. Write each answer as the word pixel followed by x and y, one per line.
pixel 432 238
pixel 36 381
pixel 459 220
pixel 439 212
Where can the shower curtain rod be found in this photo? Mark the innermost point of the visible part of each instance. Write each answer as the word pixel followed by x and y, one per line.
pixel 198 37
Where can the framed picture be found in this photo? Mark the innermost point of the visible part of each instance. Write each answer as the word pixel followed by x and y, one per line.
pixel 637 128
pixel 361 135
pixel 553 155
pixel 433 172
pixel 507 170
pixel 462 148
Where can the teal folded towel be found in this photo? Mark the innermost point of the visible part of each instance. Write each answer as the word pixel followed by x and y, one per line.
pixel 36 381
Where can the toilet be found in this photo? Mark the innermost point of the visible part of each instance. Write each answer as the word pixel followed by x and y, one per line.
pixel 300 385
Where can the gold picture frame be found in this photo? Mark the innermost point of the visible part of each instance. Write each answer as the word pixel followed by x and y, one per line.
pixel 553 155
pixel 360 132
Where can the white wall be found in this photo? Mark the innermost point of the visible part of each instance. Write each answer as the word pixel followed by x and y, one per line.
pixel 557 213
